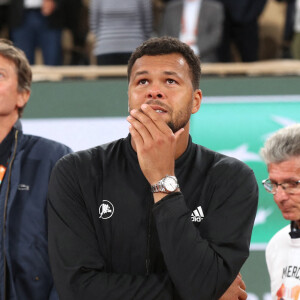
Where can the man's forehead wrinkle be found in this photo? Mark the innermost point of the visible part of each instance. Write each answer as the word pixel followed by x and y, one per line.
pixel 139 73
pixel 170 73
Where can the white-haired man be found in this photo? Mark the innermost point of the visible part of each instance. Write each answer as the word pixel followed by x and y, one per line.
pixel 282 156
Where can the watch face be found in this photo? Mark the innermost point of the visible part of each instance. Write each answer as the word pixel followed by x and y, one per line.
pixel 170 184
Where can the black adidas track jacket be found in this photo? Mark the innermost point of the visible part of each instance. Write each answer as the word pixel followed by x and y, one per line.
pixel 108 240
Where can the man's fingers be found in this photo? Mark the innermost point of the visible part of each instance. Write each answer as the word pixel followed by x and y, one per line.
pixel 243 295
pixel 178 133
pixel 135 136
pixel 142 122
pixel 140 128
pixel 240 281
pixel 156 119
pixel 242 285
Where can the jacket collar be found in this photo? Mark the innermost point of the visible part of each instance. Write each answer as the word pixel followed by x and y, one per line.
pixel 18 125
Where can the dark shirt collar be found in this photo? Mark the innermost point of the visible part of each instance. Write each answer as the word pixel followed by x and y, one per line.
pixel 295 231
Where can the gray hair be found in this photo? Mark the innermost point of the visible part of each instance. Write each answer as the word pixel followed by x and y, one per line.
pixel 282 145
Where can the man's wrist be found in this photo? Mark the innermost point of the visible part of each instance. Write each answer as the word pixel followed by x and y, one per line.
pixel 166 185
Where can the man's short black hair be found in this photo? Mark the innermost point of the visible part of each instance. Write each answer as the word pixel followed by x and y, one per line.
pixel 168 45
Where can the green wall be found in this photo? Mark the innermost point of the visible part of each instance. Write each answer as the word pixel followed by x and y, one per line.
pixel 108 97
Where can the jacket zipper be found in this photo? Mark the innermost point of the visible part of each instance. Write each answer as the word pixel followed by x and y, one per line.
pixel 149 240
pixel 5 211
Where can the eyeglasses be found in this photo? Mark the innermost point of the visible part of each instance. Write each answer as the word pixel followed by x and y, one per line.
pixel 289 187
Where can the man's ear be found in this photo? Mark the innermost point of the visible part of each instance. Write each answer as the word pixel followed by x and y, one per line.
pixel 23 98
pixel 197 98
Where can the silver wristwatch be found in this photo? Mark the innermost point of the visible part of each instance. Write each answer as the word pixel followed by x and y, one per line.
pixel 168 184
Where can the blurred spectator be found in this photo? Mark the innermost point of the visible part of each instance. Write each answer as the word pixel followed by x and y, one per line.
pixel 197 23
pixel 291 36
pixel 158 9
pixel 119 27
pixel 296 36
pixel 37 23
pixel 241 29
pixel 288 28
pixel 3 15
pixel 76 20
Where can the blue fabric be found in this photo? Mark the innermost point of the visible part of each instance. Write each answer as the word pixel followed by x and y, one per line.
pixel 25 239
pixel 35 32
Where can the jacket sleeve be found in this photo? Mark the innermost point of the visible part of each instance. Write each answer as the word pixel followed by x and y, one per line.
pixel 204 260
pixel 78 268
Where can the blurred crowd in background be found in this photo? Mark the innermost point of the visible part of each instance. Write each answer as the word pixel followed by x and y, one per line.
pixel 105 32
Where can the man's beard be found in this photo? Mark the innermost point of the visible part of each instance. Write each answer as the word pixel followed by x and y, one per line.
pixel 180 121
pixel 176 126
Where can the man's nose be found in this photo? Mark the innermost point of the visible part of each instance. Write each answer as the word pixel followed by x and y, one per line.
pixel 155 92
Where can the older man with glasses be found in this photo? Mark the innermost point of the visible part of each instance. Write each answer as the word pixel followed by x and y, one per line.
pixel 281 153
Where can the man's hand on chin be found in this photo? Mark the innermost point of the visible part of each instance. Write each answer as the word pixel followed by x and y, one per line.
pixel 154 142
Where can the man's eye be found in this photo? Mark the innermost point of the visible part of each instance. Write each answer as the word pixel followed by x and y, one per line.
pixel 143 81
pixel 291 184
pixel 171 81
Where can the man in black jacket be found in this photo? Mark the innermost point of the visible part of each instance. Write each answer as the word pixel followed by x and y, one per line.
pixel 152 216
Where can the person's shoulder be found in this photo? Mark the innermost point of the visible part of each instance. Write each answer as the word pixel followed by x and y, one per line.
pixel 282 232
pixel 90 157
pixel 42 141
pixel 46 148
pixel 278 246
pixel 225 171
pixel 279 239
pixel 222 162
pixel 99 151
